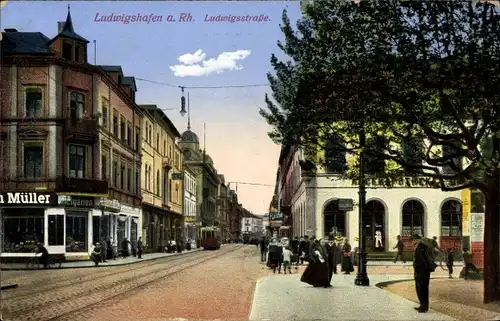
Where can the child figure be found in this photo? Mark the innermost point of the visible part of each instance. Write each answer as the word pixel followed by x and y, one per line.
pixel 287 260
pixel 449 263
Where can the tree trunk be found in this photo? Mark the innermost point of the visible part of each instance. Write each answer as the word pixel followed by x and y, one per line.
pixel 491 241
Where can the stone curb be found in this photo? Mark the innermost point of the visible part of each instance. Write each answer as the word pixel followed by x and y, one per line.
pixel 101 266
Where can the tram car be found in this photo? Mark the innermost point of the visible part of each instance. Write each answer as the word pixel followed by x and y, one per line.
pixel 210 238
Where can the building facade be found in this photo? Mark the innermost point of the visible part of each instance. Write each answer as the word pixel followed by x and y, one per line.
pixel 207 181
pixel 161 186
pixel 318 205
pixel 223 208
pixel 53 146
pixel 190 204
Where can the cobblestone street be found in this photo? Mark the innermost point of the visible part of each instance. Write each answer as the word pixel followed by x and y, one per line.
pixel 135 292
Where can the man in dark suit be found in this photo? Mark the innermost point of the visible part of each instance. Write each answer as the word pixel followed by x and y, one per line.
pixel 423 266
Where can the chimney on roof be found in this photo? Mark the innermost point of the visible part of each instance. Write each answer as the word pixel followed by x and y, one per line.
pixel 60 26
pixel 10 30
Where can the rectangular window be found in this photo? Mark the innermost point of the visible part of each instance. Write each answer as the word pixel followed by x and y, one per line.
pixel 115 174
pixel 76 105
pixel 122 129
pixel 33 102
pixel 137 183
pixel 76 231
pixel 104 167
pixel 170 190
pixel 158 142
pixel 56 229
pixel 115 122
pixel 22 228
pixel 122 177
pixel 33 161
pixel 67 51
pixel 105 116
pixel 78 53
pixel 76 161
pixel 129 179
pixel 137 139
pixel 164 148
pixel 129 134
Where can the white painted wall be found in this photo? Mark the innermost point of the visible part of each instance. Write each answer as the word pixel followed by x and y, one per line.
pixel 393 200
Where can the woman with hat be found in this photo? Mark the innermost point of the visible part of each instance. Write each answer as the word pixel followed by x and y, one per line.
pixel 347 266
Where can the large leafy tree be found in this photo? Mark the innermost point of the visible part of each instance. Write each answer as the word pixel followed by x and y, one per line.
pixel 420 79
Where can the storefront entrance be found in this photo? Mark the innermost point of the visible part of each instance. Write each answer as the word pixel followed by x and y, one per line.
pixel 373 226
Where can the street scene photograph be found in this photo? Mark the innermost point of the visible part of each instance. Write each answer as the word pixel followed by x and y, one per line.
pixel 249 160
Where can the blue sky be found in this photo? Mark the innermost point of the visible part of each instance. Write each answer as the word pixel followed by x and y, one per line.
pixel 236 135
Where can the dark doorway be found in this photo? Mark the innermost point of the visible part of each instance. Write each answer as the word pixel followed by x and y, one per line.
pixel 373 226
pixel 334 219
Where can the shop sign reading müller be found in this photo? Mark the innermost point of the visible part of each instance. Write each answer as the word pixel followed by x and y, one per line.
pixel 26 199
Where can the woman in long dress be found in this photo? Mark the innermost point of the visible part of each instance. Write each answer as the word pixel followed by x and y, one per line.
pixel 316 272
pixel 347 266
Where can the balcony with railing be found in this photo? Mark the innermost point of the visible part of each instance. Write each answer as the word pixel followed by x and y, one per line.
pixel 81 185
pixel 86 129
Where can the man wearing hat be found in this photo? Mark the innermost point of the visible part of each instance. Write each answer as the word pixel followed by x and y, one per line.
pixel 423 265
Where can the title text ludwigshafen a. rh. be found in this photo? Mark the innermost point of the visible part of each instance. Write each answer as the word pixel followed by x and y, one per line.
pixel 181 17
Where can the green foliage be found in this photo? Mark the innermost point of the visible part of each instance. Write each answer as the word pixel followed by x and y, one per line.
pixel 425 71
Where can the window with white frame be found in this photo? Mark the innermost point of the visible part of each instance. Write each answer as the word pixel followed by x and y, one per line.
pixel 76 161
pixel 76 105
pixel 33 102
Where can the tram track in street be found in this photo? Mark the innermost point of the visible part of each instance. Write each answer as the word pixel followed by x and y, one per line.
pixel 38 287
pixel 64 307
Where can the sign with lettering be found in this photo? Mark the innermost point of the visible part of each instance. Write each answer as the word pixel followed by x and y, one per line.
pixel 27 199
pixel 75 201
pixel 476 227
pixel 346 204
pixel 110 205
pixel 177 176
pixel 275 216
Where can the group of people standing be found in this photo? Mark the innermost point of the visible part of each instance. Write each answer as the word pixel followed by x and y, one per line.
pixel 323 257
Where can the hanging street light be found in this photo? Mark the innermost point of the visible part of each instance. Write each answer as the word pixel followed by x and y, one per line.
pixel 183 103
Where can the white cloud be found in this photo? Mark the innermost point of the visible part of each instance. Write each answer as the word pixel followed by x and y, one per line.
pixel 191 59
pixel 196 65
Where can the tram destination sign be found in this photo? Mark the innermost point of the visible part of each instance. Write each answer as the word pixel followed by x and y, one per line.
pixel 26 199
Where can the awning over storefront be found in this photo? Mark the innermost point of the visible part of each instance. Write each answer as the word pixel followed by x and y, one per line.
pixel 284 227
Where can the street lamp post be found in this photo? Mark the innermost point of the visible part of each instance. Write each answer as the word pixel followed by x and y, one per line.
pixel 362 275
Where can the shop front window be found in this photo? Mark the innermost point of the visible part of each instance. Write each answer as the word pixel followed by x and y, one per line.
pixel 76 231
pixel 22 230
pixel 56 230
pixel 120 231
pixel 133 233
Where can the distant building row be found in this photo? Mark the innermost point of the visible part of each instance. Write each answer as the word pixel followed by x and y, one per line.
pixel 115 169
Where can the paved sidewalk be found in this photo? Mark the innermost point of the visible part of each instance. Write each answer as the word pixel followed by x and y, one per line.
pixel 88 263
pixel 285 298
pixel 407 263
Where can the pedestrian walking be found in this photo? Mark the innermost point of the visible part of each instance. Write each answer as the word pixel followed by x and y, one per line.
pixel 400 246
pixel 287 260
pixel 139 248
pixel 468 265
pixel 316 272
pixel 263 249
pixel 347 266
pixel 423 265
pixel 295 245
pixel 332 268
pixel 449 263
pixel 302 246
pixel 104 246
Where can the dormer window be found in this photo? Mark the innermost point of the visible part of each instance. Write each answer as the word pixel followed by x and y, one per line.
pixel 67 50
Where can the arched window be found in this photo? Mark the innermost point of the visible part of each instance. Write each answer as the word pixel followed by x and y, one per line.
pixel 335 152
pixel 413 218
pixel 158 182
pixel 373 162
pixel 451 218
pixel 334 219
